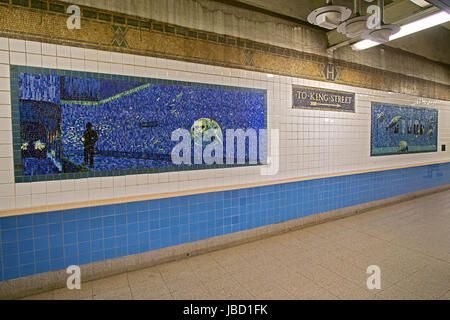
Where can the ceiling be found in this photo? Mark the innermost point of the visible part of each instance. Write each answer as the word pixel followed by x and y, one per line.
pixel 432 43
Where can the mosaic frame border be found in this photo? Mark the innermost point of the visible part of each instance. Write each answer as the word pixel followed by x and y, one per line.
pixel 15 118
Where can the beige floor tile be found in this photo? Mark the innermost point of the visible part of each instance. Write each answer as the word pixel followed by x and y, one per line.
pixel 109 284
pixel 446 296
pixel 424 288
pixel 42 296
pixel 396 293
pixel 86 292
pixel 150 293
pixel 123 293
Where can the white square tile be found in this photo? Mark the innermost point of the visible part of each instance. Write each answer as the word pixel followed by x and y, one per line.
pixel 6 149
pixel 4 57
pixel 91 66
pixel 7 203
pixel 34 60
pixel 4 70
pixel 7 190
pixel 4 44
pixel 48 49
pixel 17 45
pixel 4 86
pixel 49 62
pixel 81 184
pixel 116 57
pixel 53 186
pixel 77 53
pixel 39 187
pixel 104 67
pixel 63 63
pixel 91 54
pixel 104 56
pixel 23 202
pixel 5 97
pixel 17 58
pixel 77 65
pixel 63 51
pixel 33 47
pixel 38 200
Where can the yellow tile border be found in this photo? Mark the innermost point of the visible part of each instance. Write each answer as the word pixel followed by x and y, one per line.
pixel 85 204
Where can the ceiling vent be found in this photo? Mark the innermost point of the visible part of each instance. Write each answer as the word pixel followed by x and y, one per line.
pixel 329 17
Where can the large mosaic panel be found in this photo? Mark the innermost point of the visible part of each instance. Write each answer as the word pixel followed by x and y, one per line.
pixel 73 125
pixel 401 129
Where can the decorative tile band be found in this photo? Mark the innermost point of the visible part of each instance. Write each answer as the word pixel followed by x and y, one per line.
pixel 42 242
pixel 111 31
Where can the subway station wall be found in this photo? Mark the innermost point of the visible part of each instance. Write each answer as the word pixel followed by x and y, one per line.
pixel 311 143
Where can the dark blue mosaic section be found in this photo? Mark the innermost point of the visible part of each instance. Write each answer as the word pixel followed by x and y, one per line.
pixel 42 242
pixel 400 130
pixel 132 122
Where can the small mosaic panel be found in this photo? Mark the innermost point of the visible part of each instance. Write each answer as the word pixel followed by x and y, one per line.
pixel 401 130
pixel 70 125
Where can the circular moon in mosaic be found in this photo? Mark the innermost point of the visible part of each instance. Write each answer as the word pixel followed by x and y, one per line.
pixel 202 125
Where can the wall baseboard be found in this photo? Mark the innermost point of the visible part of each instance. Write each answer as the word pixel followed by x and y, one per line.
pixel 40 283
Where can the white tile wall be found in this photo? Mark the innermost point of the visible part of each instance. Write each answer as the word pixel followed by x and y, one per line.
pixel 311 142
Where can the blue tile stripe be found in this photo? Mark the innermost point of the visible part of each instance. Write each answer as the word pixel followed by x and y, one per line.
pixel 42 242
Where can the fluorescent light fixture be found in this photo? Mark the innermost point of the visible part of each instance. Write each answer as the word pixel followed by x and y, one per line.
pixel 407 29
pixel 364 44
pixel 421 3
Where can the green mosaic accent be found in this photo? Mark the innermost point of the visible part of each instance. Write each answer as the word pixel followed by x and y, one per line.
pixel 120 95
pixel 38 4
pixel 56 8
pixel 119 20
pixel 104 17
pixel 23 3
pixel 89 14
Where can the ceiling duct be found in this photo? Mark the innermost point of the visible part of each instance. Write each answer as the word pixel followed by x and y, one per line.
pixel 382 33
pixel 329 16
pixel 355 26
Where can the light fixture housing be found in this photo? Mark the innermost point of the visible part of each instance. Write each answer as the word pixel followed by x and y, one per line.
pixel 329 17
pixel 353 27
pixel 407 29
pixel 381 34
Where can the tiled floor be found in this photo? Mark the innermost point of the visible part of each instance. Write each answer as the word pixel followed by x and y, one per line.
pixel 410 242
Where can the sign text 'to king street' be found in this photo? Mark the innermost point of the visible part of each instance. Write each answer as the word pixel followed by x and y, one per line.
pixel 318 99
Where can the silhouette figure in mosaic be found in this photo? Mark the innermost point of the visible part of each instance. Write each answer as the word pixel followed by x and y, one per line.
pixel 89 139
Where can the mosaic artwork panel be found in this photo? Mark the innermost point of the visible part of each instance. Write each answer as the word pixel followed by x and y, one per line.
pixel 132 121
pixel 402 130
